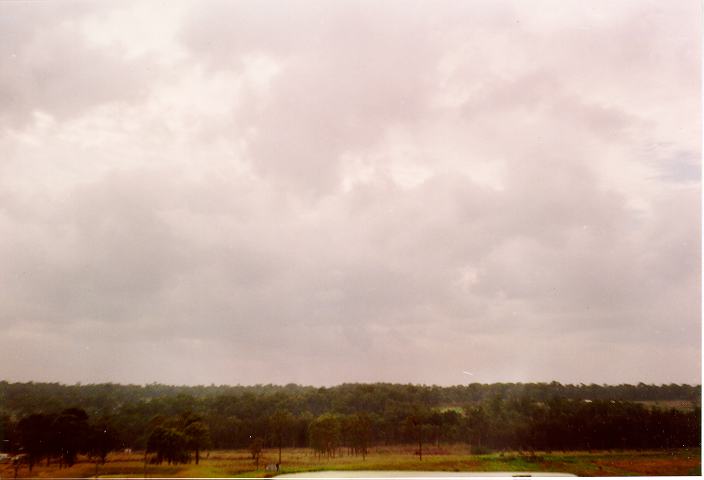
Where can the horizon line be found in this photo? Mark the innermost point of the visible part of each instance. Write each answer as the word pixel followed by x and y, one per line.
pixel 300 385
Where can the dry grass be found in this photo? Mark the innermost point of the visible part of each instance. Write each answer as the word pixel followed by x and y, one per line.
pixel 456 458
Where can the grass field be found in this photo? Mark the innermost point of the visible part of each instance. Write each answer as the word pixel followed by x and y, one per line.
pixel 238 463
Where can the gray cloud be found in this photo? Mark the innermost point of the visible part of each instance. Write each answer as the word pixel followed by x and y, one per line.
pixel 49 66
pixel 302 192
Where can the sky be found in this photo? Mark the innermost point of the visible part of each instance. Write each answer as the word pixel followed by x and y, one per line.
pixel 354 191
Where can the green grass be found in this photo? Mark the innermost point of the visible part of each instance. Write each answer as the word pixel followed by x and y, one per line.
pixel 451 408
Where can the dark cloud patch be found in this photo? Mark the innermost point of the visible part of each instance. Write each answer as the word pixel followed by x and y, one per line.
pixel 683 167
pixel 47 65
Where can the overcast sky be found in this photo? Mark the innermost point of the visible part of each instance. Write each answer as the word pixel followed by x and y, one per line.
pixel 326 192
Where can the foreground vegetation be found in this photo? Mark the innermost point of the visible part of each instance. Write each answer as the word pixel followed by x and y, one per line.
pixel 455 458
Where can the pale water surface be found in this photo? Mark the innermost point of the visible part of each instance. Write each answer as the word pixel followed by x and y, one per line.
pixel 412 474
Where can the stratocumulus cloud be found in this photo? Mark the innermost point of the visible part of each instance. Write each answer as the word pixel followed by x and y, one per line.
pixel 315 192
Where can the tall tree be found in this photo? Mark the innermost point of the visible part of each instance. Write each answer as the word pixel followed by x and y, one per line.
pixel 279 425
pixel 197 437
pixel 72 432
pixel 169 444
pixel 34 433
pixel 102 440
pixel 255 448
pixel 361 430
pixel 416 425
pixel 324 434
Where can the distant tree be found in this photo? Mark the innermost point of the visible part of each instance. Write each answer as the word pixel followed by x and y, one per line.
pixel 416 425
pixel 497 416
pixel 361 429
pixel 477 425
pixel 226 431
pixel 169 444
pixel 324 433
pixel 300 429
pixel 279 424
pixel 255 448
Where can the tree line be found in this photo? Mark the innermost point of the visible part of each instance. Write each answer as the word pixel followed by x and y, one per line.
pixel 174 424
pixel 59 437
pixel 29 397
